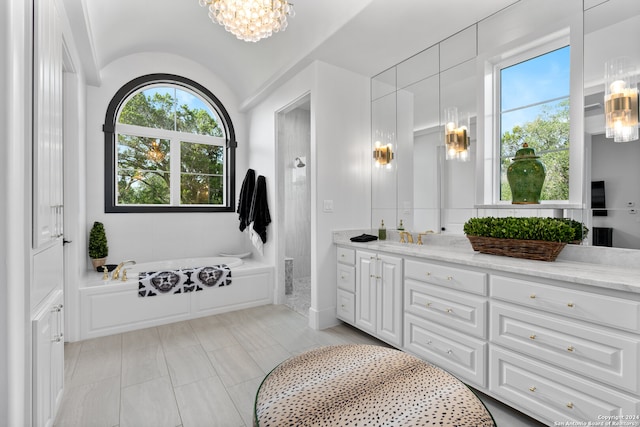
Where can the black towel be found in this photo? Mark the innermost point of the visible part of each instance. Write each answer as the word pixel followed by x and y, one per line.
pixel 364 238
pixel 246 195
pixel 259 213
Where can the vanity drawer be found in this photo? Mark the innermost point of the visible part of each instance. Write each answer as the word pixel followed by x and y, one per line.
pixel 346 277
pixel 599 309
pixel 553 394
pixel 460 354
pixel 346 305
pixel 597 353
pixel 457 310
pixel 346 256
pixel 450 277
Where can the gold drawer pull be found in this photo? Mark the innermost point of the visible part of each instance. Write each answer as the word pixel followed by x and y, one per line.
pixel 449 277
pixel 570 405
pixel 428 304
pixel 449 310
pixel 532 296
pixel 570 305
pixel 532 337
pixel 532 389
pixel 570 348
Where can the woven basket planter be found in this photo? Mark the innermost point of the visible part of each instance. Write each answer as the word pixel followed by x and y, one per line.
pixel 538 250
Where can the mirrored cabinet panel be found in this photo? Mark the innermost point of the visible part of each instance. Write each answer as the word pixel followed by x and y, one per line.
pixel 438 111
pixel 612 32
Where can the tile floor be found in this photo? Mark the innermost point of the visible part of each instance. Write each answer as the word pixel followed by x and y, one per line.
pixel 300 298
pixel 196 373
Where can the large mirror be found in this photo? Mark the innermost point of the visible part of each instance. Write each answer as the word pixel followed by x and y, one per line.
pixel 425 192
pixel 612 30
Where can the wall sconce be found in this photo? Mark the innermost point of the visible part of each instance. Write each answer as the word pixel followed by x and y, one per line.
pixel 621 100
pixel 456 137
pixel 383 154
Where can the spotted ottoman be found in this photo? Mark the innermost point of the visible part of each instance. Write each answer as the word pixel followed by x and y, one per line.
pixel 364 385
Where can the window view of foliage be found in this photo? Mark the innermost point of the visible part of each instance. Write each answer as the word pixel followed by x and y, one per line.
pixel 141 179
pixel 144 167
pixel 201 167
pixel 534 109
pixel 548 134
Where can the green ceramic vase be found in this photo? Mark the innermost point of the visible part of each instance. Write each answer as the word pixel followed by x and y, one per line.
pixel 526 176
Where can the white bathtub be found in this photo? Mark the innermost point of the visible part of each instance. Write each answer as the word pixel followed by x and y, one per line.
pixel 108 307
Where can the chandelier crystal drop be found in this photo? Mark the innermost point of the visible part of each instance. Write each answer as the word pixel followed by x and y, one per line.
pixel 250 20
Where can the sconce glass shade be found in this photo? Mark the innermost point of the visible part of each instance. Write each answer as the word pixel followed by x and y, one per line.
pixel 382 154
pixel 621 100
pixel 456 137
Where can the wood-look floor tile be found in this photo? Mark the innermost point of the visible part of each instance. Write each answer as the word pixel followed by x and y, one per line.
pixel 293 338
pixel 71 354
pixel 110 342
pixel 252 336
pixel 213 337
pixel 91 405
pixel 177 335
pixel 143 364
pixel 147 337
pixel 206 403
pixel 270 357
pixel 149 404
pixel 97 365
pixel 234 365
pixel 188 364
pixel 244 395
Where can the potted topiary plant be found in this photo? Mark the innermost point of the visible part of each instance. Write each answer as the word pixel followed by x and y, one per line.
pixel 527 237
pixel 98 248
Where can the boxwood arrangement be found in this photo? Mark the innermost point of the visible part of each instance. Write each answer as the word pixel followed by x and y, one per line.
pixel 526 228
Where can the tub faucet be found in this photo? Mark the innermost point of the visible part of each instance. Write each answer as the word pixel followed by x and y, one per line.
pixel 116 272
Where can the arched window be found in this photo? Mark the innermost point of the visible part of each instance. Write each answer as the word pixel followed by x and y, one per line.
pixel 169 147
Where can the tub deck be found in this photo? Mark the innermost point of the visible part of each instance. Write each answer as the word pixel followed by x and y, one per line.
pixel 108 307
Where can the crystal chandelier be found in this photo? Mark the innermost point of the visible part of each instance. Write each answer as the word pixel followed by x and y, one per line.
pixel 250 20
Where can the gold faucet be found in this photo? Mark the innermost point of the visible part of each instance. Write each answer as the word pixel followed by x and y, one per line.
pixel 116 272
pixel 423 234
pixel 406 234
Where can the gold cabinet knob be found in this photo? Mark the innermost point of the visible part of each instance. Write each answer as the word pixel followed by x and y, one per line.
pixel 570 348
pixel 449 277
pixel 532 336
pixel 428 304
pixel 532 389
pixel 570 405
pixel 449 310
pixel 532 296
pixel 428 273
pixel 570 305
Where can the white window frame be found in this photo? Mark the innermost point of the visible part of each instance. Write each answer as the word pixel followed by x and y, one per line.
pixel 175 139
pixel 488 159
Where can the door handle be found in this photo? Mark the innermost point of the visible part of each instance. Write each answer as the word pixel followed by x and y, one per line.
pixel 65 241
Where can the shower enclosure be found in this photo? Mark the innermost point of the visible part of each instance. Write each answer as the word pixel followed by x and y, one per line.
pixel 294 146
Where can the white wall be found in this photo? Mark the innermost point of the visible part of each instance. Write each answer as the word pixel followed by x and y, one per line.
pixel 340 170
pixel 15 122
pixel 146 237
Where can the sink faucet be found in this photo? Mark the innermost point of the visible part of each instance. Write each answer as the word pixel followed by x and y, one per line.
pixel 406 234
pixel 423 234
pixel 116 272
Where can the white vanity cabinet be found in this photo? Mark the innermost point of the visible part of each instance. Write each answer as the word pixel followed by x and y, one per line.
pixel 346 281
pixel 378 296
pixel 445 318
pixel 48 360
pixel 562 353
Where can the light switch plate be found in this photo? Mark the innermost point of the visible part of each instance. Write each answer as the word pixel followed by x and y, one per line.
pixel 328 206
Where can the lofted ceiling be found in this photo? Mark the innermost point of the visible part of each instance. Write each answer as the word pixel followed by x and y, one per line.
pixel 364 36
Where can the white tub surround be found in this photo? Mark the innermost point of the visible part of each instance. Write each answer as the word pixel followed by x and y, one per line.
pixel 110 307
pixel 556 340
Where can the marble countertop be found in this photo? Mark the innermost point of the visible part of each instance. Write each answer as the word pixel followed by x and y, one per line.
pixel 578 265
